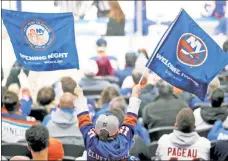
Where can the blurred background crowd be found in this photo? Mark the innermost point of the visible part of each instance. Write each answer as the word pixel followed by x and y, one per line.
pixel 114 40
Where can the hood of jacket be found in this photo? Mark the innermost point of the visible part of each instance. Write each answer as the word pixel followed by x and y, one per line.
pixel 181 139
pixel 115 149
pixel 210 115
pixel 64 117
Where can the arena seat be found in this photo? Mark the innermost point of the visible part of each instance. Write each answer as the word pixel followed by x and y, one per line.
pixel 72 151
pixel 68 158
pixel 200 105
pixel 94 97
pixel 140 149
pixel 213 143
pixel 12 149
pixel 38 113
pixel 153 147
pixel 156 133
pixel 91 92
pixel 204 132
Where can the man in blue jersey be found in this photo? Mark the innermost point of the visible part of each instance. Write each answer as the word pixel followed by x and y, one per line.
pixel 105 141
pixel 14 124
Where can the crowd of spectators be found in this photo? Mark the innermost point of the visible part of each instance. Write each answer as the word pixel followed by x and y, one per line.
pixel 62 114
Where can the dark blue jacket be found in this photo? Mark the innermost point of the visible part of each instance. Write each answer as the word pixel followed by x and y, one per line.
pixel 122 74
pixel 218 132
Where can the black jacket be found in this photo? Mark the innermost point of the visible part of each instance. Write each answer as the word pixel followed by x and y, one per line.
pixel 163 111
pixel 219 151
pixel 147 96
pixel 212 114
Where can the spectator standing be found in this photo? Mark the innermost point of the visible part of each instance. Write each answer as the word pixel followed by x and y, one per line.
pixel 105 140
pixel 116 24
pixel 120 104
pixel 155 113
pixel 14 124
pixel 207 116
pixel 62 123
pixel 183 143
pixel 37 138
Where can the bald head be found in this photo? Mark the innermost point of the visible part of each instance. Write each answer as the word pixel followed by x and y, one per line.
pixel 185 121
pixel 66 101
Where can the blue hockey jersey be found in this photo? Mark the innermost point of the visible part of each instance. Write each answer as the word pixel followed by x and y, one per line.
pixel 119 148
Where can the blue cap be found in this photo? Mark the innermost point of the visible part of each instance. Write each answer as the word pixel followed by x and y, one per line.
pixel 101 42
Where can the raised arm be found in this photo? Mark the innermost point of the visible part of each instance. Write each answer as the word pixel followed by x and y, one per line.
pixel 127 128
pixel 25 94
pixel 85 123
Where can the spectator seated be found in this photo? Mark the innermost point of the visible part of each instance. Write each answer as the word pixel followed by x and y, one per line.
pixel 136 76
pixel 215 83
pixel 207 116
pixel 14 124
pixel 38 113
pixel 183 143
pixel 90 83
pixel 46 99
pixel 155 113
pixel 130 59
pixel 63 124
pixel 107 95
pixel 218 132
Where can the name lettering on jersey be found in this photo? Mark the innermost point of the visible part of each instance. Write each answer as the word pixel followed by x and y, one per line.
pixel 182 152
pixel 98 157
pixel 9 129
pixel 222 136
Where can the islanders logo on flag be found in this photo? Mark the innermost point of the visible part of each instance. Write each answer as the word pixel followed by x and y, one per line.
pixel 38 34
pixel 191 50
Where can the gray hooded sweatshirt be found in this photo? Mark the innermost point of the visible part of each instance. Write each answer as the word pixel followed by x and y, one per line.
pixel 184 146
pixel 63 125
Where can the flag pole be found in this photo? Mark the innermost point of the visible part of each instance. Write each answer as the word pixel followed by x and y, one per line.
pixel 142 75
pixel 152 58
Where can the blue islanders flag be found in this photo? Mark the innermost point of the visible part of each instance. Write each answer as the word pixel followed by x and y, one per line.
pixel 42 41
pixel 187 57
